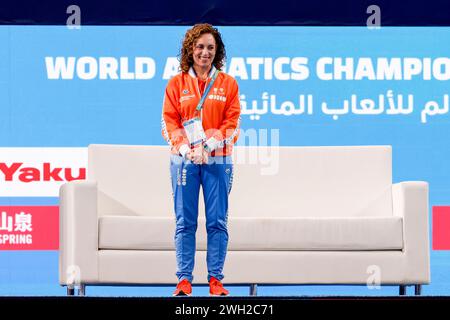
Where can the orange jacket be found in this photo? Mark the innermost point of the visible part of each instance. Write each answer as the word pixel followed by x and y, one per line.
pixel 220 113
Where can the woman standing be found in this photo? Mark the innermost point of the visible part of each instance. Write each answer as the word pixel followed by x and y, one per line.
pixel 200 121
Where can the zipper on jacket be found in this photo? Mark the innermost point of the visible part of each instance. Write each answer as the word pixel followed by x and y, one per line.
pixel 200 96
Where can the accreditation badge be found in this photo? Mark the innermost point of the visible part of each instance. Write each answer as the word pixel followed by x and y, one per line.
pixel 194 130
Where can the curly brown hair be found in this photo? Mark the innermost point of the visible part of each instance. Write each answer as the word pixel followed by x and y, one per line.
pixel 191 36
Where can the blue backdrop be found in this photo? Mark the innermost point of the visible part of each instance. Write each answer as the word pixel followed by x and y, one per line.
pixel 44 104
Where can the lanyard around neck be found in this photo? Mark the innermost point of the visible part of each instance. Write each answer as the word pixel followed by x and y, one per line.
pixel 205 93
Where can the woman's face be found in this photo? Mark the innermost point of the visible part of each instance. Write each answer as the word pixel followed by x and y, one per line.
pixel 204 51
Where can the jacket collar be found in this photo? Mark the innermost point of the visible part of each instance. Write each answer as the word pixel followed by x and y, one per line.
pixel 192 72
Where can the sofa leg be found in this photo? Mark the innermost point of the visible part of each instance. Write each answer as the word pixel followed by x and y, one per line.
pixel 402 291
pixel 418 289
pixel 253 289
pixel 82 290
pixel 70 291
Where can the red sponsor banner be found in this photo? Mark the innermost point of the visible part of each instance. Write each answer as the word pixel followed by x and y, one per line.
pixel 441 228
pixel 29 227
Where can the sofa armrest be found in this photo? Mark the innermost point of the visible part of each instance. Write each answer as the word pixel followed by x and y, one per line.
pixel 78 233
pixel 410 201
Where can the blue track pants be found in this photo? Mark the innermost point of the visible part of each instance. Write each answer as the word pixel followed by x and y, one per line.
pixel 216 179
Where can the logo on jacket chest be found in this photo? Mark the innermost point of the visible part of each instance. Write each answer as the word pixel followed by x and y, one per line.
pixel 218 94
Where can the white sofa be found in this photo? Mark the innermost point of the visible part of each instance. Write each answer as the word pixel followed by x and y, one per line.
pixel 297 215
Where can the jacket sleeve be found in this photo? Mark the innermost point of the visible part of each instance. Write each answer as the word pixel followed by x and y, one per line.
pixel 228 132
pixel 171 127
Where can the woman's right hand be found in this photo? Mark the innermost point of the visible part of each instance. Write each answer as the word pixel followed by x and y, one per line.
pixel 196 155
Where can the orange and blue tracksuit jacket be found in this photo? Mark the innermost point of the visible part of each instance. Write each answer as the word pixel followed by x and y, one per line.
pixel 220 113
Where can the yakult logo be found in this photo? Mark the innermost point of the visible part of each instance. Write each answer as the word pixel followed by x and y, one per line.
pixel 40 172
pixel 17 171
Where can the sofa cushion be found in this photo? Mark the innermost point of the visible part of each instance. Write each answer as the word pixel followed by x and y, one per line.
pixel 330 234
